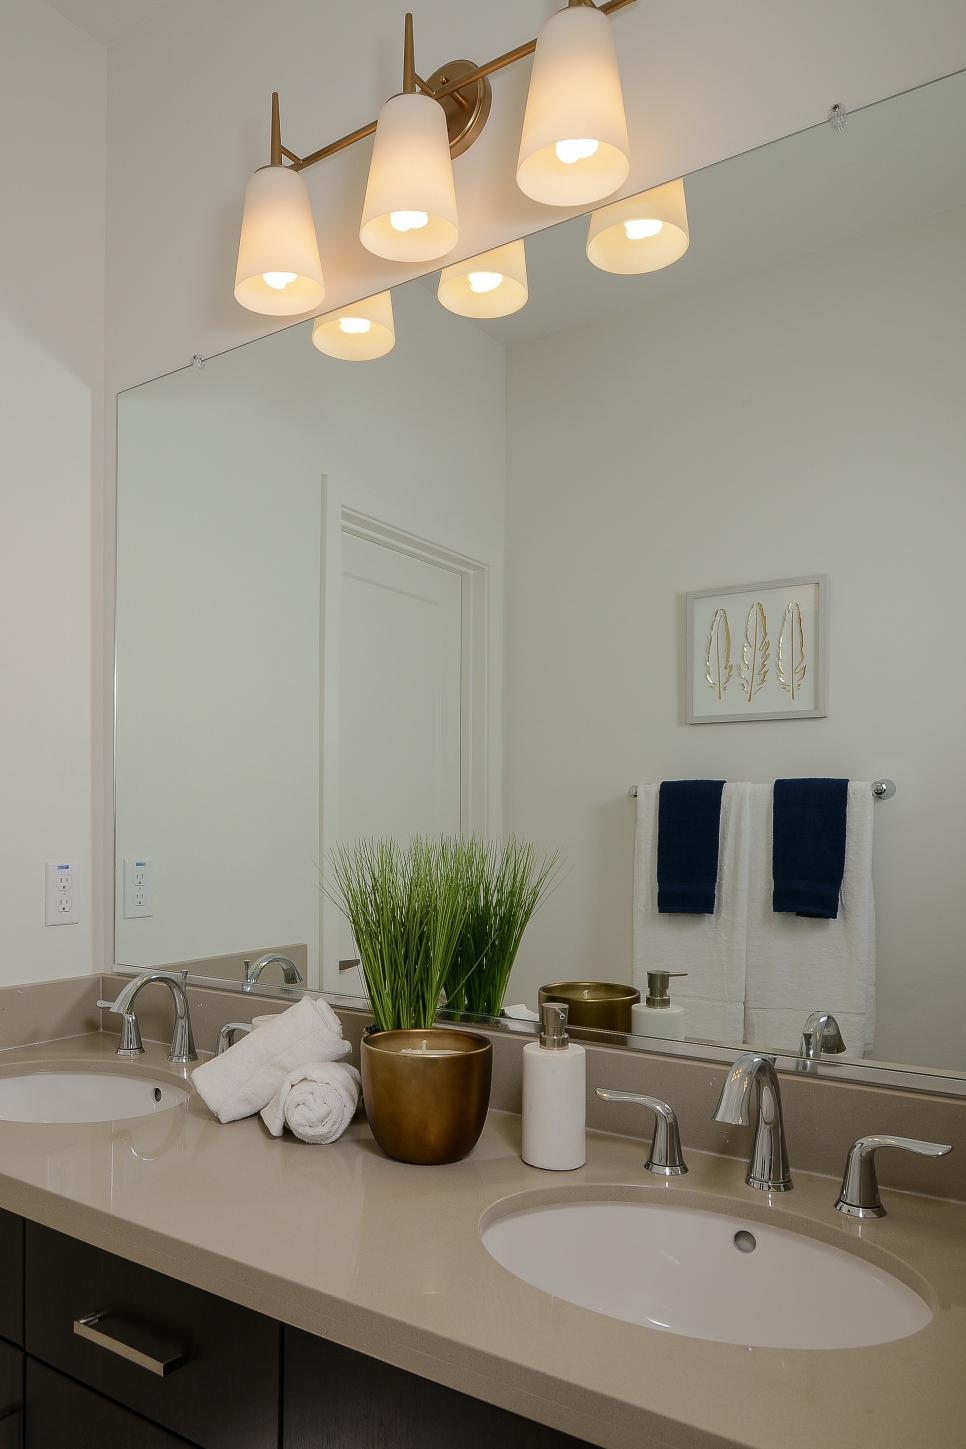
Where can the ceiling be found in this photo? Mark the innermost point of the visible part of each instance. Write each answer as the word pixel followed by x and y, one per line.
pixel 106 19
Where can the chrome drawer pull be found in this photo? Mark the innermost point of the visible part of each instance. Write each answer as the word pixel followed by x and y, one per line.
pixel 138 1345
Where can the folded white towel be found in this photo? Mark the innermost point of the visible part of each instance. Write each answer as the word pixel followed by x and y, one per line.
pixel 245 1078
pixel 711 949
pixel 317 1102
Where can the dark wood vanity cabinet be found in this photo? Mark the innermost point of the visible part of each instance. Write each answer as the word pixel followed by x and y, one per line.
pixel 336 1398
pixel 11 1397
pixel 11 1277
pixel 162 1365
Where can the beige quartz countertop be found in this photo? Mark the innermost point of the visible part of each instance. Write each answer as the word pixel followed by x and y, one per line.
pixel 387 1259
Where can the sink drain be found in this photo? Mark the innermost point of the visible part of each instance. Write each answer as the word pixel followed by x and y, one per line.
pixel 157 1094
pixel 744 1241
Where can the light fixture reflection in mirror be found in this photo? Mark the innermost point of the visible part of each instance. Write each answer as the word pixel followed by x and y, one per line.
pixel 359 333
pixel 410 208
pixel 493 284
pixel 574 148
pixel 641 233
pixel 279 272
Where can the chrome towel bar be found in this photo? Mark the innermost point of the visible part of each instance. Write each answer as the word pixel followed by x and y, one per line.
pixel 881 789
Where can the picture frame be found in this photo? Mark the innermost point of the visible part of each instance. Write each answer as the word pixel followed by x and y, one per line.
pixel 758 651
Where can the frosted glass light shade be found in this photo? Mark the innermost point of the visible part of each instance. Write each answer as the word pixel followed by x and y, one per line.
pixel 641 233
pixel 359 333
pixel 278 241
pixel 494 284
pixel 575 97
pixel 410 208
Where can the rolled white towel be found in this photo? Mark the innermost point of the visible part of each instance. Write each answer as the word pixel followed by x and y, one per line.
pixel 317 1102
pixel 245 1078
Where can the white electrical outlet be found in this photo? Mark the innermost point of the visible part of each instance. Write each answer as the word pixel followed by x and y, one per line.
pixel 62 893
pixel 138 896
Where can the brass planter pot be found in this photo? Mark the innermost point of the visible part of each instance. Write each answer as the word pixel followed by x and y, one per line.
pixel 598 1005
pixel 426 1092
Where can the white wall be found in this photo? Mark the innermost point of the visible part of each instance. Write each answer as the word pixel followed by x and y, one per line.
pixel 219 591
pixel 806 419
pixel 52 115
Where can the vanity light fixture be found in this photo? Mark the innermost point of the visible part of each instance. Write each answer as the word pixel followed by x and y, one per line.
pixel 574 107
pixel 279 272
pixel 358 333
pixel 574 147
pixel 641 233
pixel 493 284
pixel 410 208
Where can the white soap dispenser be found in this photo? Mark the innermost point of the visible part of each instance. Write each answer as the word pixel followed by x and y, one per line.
pixel 554 1095
pixel 656 1016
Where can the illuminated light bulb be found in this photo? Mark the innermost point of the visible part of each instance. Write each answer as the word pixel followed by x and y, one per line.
pixel 639 228
pixel 570 151
pixel 366 332
pixel 408 220
pixel 279 273
pixel 642 233
pixel 573 147
pixel 493 284
pixel 484 281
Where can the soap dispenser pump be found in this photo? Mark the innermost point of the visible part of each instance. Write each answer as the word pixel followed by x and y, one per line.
pixel 554 1095
pixel 657 1016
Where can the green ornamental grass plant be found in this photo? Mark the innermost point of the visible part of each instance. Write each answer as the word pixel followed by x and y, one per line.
pixel 407 913
pixel 438 916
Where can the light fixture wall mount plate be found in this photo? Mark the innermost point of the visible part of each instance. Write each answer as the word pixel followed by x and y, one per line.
pixel 467 109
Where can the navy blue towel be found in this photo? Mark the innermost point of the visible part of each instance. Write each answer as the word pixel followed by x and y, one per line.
pixel 808 846
pixel 688 822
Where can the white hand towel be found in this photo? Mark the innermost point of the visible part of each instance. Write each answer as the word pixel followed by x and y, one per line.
pixel 317 1102
pixel 796 964
pixel 711 949
pixel 245 1078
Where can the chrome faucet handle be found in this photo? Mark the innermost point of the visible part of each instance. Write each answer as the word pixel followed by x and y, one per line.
pixel 131 1043
pixel 821 1033
pixel 665 1158
pixel 859 1197
pixel 228 1033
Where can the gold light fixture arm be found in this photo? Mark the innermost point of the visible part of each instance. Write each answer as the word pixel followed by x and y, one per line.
pixel 463 80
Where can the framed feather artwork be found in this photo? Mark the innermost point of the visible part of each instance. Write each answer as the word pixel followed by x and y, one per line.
pixel 758 651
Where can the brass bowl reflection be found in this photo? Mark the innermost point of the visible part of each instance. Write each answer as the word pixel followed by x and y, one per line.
pixel 599 1005
pixel 423 1108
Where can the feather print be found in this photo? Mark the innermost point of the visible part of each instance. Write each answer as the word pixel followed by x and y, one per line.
pixel 791 651
pixel 754 652
pixel 718 665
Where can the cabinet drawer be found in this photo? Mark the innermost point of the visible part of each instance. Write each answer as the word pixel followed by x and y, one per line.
pixel 11 1397
pixel 60 1412
pixel 336 1398
pixel 11 1277
pixel 201 1367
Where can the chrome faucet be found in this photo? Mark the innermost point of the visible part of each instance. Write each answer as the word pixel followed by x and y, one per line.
pixel 665 1157
pixel 768 1164
pixel 182 1047
pixel 291 974
pixel 859 1197
pixel 228 1034
pixel 821 1033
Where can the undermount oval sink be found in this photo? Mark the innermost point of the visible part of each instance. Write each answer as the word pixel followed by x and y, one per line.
pixel 55 1096
pixel 705 1275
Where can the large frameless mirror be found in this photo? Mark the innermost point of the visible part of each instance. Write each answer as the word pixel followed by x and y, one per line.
pixel 445 591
